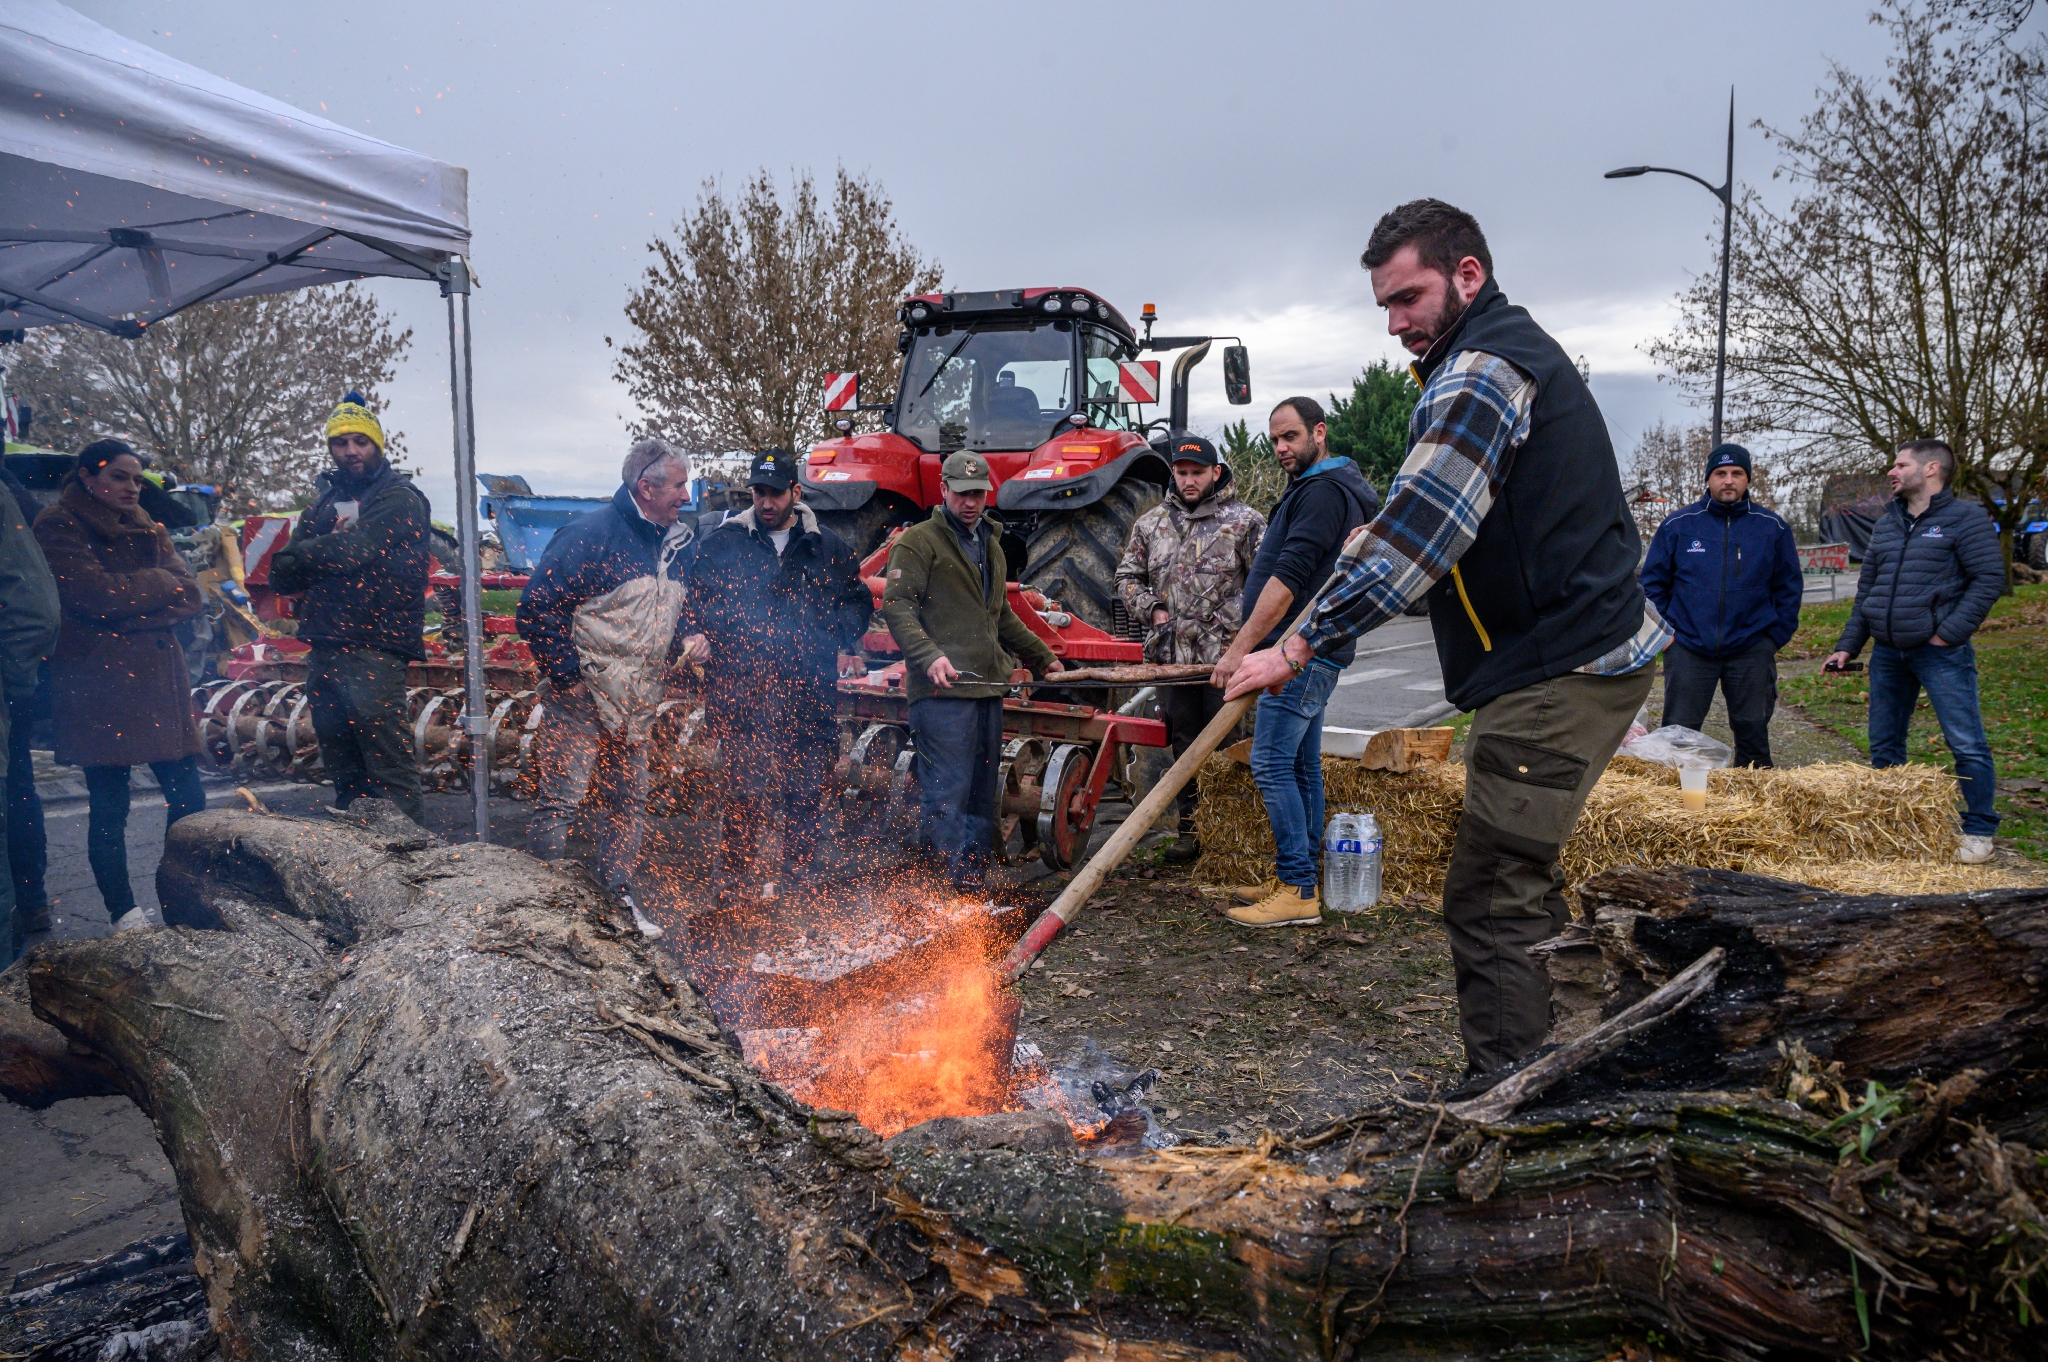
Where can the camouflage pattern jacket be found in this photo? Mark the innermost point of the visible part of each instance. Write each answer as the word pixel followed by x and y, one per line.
pixel 1192 562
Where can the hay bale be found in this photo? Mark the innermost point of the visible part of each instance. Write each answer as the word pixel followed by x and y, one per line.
pixel 1901 877
pixel 1837 815
pixel 1417 812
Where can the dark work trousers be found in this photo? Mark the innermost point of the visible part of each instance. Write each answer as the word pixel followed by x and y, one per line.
pixel 959 758
pixel 777 750
pixel 357 696
pixel 106 827
pixel 1749 683
pixel 1187 710
pixel 28 854
pixel 1530 762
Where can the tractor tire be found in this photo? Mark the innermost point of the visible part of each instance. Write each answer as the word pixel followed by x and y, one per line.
pixel 2037 551
pixel 864 530
pixel 1073 554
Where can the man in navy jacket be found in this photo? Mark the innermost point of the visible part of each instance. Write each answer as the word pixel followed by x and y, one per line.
pixel 600 614
pixel 1931 574
pixel 1725 575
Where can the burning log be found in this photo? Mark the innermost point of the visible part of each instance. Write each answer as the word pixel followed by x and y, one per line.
pixel 434 1101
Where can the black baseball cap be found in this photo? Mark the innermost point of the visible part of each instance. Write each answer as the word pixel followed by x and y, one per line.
pixel 1186 448
pixel 774 469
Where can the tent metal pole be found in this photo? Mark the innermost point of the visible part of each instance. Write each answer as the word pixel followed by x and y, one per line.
pixel 455 282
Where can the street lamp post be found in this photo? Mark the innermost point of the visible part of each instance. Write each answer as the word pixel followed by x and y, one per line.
pixel 1726 194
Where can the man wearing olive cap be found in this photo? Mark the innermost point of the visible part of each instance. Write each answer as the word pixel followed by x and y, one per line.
pixel 946 601
pixel 357 561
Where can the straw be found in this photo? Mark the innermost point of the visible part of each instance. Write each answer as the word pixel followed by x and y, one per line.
pixel 1836 825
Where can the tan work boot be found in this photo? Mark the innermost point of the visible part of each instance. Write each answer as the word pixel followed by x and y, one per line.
pixel 1287 906
pixel 1252 893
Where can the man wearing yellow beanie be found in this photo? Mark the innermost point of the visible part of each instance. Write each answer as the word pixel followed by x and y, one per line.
pixel 358 558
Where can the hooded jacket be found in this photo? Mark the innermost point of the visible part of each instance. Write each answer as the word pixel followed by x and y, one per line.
pixel 775 618
pixel 1939 572
pixel 1304 536
pixel 1725 576
pixel 602 606
pixel 938 604
pixel 357 560
pixel 1192 562
pixel 118 688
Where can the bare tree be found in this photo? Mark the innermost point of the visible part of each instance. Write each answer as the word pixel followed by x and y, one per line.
pixel 236 394
pixel 1904 291
pixel 754 300
pixel 1670 462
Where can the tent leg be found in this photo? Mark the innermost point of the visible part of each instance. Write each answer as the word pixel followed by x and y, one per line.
pixel 455 288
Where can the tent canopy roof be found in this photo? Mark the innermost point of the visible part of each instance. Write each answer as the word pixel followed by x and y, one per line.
pixel 133 185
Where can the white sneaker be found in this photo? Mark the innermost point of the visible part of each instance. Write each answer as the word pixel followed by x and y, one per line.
pixel 648 928
pixel 1974 850
pixel 132 920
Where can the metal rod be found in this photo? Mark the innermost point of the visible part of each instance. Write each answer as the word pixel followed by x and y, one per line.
pixel 455 284
pixel 1727 195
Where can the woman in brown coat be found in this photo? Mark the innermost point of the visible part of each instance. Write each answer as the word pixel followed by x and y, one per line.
pixel 118 686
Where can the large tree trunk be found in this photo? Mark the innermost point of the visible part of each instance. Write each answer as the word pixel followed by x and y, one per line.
pixel 435 1102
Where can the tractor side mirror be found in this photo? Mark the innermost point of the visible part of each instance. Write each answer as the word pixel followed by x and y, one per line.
pixel 1237 375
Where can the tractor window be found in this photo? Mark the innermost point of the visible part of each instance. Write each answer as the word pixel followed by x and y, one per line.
pixel 987 385
pixel 1100 351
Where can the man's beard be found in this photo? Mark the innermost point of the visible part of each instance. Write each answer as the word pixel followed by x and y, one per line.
pixel 1446 318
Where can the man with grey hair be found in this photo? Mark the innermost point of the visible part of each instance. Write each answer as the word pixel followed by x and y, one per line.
pixel 600 615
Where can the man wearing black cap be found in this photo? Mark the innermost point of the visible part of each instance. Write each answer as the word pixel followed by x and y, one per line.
pixel 947 604
pixel 1183 572
pixel 1724 574
pixel 779 601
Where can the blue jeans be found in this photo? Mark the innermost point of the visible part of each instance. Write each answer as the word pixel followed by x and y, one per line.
pixel 106 828
pixel 959 747
pixel 1287 766
pixel 1949 676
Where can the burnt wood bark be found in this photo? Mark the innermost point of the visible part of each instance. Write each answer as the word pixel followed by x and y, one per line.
pixel 1889 987
pixel 442 1102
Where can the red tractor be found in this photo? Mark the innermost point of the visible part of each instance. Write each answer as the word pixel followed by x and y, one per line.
pixel 1046 384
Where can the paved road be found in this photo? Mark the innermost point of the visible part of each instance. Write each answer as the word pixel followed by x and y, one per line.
pixel 1396 670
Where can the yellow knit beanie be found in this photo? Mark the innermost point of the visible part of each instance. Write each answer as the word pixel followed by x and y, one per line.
pixel 352 417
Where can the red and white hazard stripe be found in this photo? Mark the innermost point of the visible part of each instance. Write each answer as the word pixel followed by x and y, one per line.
pixel 842 392
pixel 1138 380
pixel 262 537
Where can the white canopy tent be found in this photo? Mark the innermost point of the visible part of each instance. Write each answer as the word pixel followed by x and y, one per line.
pixel 133 186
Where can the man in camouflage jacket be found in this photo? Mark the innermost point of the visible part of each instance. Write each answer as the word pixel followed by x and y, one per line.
pixel 1183 574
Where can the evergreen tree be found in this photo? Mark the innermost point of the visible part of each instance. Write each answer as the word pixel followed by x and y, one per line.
pixel 1370 427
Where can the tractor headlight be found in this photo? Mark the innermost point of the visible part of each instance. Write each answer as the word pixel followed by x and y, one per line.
pixel 1052 304
pixel 1080 305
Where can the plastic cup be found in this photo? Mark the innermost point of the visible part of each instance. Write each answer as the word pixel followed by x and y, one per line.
pixel 1692 786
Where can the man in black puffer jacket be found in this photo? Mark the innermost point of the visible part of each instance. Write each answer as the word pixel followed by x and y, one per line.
pixel 1930 575
pixel 779 600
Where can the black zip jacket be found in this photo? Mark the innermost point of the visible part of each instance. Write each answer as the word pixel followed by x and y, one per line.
pixel 1304 535
pixel 364 586
pixel 770 620
pixel 1939 572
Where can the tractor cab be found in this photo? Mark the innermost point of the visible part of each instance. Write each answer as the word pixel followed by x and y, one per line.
pixel 1048 386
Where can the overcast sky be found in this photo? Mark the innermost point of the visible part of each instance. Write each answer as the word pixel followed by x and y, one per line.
pixel 1223 161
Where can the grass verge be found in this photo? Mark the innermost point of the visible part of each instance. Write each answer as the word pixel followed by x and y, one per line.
pixel 2012 689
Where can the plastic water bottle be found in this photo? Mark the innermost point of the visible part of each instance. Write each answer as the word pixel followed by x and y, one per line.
pixel 1340 863
pixel 1366 891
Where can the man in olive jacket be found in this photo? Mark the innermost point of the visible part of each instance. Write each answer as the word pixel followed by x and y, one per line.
pixel 359 556
pixel 947 603
pixel 28 630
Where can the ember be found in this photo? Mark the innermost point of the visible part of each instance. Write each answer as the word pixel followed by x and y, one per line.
pixel 883 1004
